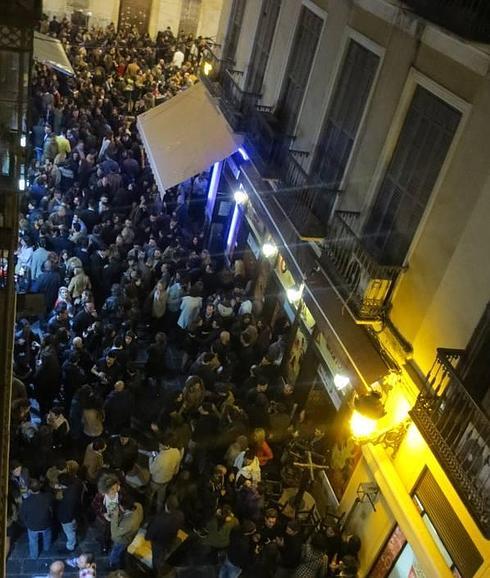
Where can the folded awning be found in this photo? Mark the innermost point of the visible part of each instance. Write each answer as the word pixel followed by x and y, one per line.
pixel 185 135
pixel 50 51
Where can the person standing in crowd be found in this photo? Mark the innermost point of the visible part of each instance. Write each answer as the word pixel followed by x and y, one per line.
pixel 36 513
pixel 151 363
pixel 125 523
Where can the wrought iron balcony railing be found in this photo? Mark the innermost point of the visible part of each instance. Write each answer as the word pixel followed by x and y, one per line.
pixel 308 205
pixel 268 142
pixel 236 102
pixel 458 433
pixel 363 282
pixel 467 18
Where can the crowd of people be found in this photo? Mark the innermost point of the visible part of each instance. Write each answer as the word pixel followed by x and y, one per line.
pixel 147 397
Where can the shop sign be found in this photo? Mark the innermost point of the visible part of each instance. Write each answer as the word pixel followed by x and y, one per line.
pixel 254 246
pixel 283 273
pixel 296 355
pixel 307 318
pixel 224 208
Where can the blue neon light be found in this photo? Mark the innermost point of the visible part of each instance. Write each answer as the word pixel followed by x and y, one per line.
pixel 243 154
pixel 233 227
pixel 213 190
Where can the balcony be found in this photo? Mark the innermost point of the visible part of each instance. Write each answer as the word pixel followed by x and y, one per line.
pixel 467 18
pixel 458 433
pixel 308 205
pixel 267 141
pixel 363 282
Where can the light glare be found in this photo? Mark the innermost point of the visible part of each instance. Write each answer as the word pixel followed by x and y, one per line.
pixel 341 381
pixel 269 250
pixel 294 295
pixel 240 197
pixel 361 426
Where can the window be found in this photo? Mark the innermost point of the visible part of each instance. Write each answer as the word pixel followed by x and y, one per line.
pixel 189 16
pixel 262 45
pixel 418 157
pixel 445 527
pixel 234 28
pixel 299 66
pixel 345 113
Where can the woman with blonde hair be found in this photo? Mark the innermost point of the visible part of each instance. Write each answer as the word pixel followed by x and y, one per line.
pixel 79 283
pixel 261 447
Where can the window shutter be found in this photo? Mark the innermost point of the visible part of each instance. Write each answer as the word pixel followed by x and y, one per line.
pixel 262 45
pixel 345 113
pixel 417 160
pixel 299 66
pixel 234 28
pixel 455 538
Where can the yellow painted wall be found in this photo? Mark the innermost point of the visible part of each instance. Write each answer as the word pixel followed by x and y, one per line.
pixel 372 527
pixel 412 457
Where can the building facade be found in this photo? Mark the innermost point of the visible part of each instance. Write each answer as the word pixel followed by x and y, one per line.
pixel 199 17
pixel 365 165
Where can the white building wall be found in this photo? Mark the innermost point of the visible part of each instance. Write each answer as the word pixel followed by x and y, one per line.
pixel 210 18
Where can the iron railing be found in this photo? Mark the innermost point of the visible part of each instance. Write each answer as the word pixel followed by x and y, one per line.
pixel 236 102
pixel 458 432
pixel 268 142
pixel 468 18
pixel 363 282
pixel 308 205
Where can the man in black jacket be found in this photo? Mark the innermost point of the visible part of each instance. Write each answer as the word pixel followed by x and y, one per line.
pixel 68 508
pixel 48 283
pixel 118 407
pixel 241 551
pixel 123 451
pixel 290 548
pixel 36 512
pixel 162 531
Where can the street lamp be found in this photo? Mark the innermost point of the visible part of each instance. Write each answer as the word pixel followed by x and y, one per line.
pixel 240 197
pixel 379 421
pixel 294 294
pixel 341 381
pixel 368 409
pixel 269 250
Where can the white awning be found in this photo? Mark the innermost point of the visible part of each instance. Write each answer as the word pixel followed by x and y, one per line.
pixel 50 51
pixel 185 136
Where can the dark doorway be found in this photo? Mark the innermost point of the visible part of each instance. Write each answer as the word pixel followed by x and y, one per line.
pixel 135 13
pixel 189 16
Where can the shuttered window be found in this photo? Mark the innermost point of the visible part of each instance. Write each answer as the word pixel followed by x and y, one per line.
pixel 442 517
pixel 422 147
pixel 262 44
pixel 234 28
pixel 299 67
pixel 344 116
